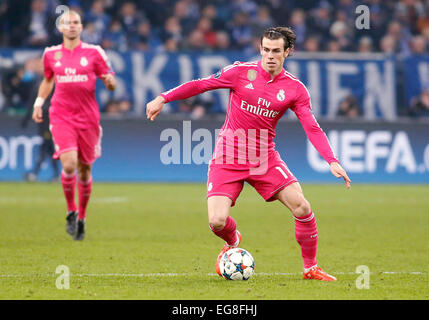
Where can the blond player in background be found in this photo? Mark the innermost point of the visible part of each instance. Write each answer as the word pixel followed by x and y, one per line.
pixel 73 67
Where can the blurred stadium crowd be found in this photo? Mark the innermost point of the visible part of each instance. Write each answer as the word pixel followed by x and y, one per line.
pixel 399 27
pixel 171 25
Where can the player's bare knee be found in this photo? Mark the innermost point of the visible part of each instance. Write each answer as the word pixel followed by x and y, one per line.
pixel 84 177
pixel 302 208
pixel 84 174
pixel 69 166
pixel 217 222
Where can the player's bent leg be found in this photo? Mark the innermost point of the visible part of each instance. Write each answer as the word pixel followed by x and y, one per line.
pixel 222 224
pixel 218 211
pixel 69 161
pixel 293 198
pixel 68 181
pixel 84 171
pixel 84 189
pixel 305 230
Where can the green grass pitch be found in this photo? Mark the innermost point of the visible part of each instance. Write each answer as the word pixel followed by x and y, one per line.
pixel 152 241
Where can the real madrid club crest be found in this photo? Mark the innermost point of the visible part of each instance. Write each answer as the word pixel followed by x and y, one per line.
pixel 83 62
pixel 281 95
pixel 58 55
pixel 251 74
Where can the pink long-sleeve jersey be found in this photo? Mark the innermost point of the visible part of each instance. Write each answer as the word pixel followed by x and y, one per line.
pixel 75 73
pixel 256 103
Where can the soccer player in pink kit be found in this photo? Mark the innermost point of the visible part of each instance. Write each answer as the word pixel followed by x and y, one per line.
pixel 73 67
pixel 260 93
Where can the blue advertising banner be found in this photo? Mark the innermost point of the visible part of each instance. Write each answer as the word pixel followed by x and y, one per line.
pixel 370 78
pixel 416 72
pixel 179 151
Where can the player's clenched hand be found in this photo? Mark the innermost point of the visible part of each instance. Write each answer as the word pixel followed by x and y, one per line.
pixel 37 115
pixel 153 108
pixel 109 81
pixel 339 172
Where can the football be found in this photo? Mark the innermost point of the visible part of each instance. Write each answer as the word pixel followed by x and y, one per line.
pixel 237 264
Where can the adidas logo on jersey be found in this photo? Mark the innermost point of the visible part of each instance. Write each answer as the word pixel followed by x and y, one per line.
pixel 249 86
pixel 58 64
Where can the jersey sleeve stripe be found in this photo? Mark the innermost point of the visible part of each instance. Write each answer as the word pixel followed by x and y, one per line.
pixel 52 48
pixel 96 47
pixel 246 64
pixel 295 79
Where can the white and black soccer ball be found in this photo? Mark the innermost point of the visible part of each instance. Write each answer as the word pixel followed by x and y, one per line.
pixel 237 264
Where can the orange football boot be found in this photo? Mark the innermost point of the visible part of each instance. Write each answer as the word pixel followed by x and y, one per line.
pixel 317 273
pixel 225 248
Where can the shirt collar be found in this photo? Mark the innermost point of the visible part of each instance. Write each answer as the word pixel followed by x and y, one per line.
pixel 267 75
pixel 77 47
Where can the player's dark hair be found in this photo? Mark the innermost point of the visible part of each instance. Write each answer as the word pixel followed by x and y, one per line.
pixel 286 33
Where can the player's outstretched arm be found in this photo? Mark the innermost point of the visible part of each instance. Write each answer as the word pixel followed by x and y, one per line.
pixel 153 108
pixel 45 90
pixel 109 81
pixel 315 134
pixel 222 79
pixel 339 172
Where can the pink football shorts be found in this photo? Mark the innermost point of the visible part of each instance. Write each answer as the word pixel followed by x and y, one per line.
pixel 86 141
pixel 228 181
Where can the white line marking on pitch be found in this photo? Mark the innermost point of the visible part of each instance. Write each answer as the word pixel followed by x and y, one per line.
pixel 56 200
pixel 141 275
